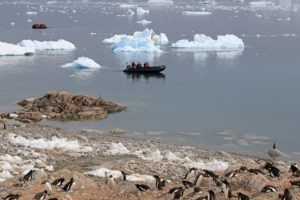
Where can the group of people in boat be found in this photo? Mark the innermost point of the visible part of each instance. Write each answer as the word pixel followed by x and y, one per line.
pixel 139 65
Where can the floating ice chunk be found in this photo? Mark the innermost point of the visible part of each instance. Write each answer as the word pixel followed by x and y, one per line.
pixel 7 49
pixel 31 13
pixel 130 12
pixel 257 4
pixel 144 22
pixel 61 143
pixel 127 6
pixel 160 1
pixel 206 43
pixel 117 148
pixel 48 45
pixel 12 23
pixel 141 11
pixel 144 41
pixel 83 63
pixel 196 13
pixel 209 2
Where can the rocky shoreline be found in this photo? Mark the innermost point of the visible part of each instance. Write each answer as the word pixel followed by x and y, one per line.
pixel 88 154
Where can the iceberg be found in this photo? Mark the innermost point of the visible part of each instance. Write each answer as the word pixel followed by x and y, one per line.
pixel 141 11
pixel 7 49
pixel 83 63
pixel 205 43
pixel 145 41
pixel 144 22
pixel 196 13
pixel 160 2
pixel 48 45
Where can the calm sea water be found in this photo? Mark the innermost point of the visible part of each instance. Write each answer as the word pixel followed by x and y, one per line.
pixel 241 101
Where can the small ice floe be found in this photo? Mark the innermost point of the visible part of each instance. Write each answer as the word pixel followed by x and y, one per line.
pixel 12 23
pixel 144 22
pixel 161 2
pixel 141 11
pixel 29 20
pixel 31 13
pixel 54 142
pixel 208 2
pixel 92 33
pixel 48 45
pixel 83 63
pixel 7 49
pixel 130 12
pixel 258 4
pixel 145 41
pixel 201 13
pixel 127 6
pixel 205 43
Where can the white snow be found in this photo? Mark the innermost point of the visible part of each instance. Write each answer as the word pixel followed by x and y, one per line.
pixel 7 49
pixel 83 63
pixel 54 142
pixel 127 6
pixel 141 11
pixel 260 4
pixel 160 1
pixel 214 165
pixel 117 148
pixel 100 172
pixel 196 13
pixel 145 41
pixel 205 43
pixel 48 45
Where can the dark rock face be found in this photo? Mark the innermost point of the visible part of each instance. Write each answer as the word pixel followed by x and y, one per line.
pixel 64 106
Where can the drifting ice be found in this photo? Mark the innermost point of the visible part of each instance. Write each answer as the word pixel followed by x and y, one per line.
pixel 7 49
pixel 48 45
pixel 206 43
pixel 83 63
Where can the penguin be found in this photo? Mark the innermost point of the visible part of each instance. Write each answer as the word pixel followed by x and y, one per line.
pixel 199 178
pixel 159 183
pixel 12 197
pixel 274 171
pixel 256 171
pixel 286 195
pixel 54 198
pixel 69 185
pixel 58 182
pixel 269 188
pixel 226 189
pixel 4 126
pixel 191 173
pixel 41 195
pixel 274 152
pixel 188 184
pixel 174 189
pixel 142 187
pixel 197 190
pixel 179 193
pixel 210 196
pixel 47 186
pixel 210 174
pixel 124 176
pixel 242 196
pixel 28 176
pixel 243 169
pixel 231 174
pixel 295 171
pixel 111 182
pixel 295 183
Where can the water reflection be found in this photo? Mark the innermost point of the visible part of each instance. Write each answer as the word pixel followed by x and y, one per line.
pixel 135 77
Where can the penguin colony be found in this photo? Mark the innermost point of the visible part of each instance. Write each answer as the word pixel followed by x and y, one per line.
pixel 190 186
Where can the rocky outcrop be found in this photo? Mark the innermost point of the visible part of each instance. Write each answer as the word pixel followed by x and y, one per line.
pixel 63 106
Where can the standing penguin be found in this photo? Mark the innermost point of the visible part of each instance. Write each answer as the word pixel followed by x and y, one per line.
pixel 47 186
pixel 111 182
pixel 242 196
pixel 69 185
pixel 226 189
pixel 28 176
pixel 274 153
pixel 12 196
pixel 159 183
pixel 58 182
pixel 286 195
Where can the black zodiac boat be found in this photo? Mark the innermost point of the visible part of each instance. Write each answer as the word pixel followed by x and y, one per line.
pixel 150 69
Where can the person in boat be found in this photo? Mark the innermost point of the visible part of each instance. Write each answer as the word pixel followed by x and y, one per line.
pixel 146 65
pixel 139 65
pixel 133 65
